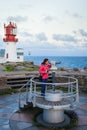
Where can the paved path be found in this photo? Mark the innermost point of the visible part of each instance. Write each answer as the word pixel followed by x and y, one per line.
pixel 21 121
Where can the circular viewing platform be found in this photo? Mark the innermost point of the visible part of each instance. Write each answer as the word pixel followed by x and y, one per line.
pixel 64 96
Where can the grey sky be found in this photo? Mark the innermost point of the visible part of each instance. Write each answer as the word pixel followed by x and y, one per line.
pixel 47 27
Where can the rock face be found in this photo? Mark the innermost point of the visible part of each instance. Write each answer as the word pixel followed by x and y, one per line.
pixel 82 79
pixel 18 66
pixel 2 68
pixel 3 81
pixel 3 85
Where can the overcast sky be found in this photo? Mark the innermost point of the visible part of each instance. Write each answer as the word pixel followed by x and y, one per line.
pixel 47 27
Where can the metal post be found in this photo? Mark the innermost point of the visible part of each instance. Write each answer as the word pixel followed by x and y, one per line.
pixel 69 86
pixel 19 100
pixel 53 69
pixel 26 93
pixel 53 80
pixel 30 94
pixel 34 102
pixel 77 97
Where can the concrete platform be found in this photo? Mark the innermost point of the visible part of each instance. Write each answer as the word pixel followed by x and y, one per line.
pixel 10 120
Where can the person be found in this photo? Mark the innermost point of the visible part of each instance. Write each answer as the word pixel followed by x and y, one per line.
pixel 44 72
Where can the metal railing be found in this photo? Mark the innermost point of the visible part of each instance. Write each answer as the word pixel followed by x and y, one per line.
pixel 71 94
pixel 23 96
pixel 33 90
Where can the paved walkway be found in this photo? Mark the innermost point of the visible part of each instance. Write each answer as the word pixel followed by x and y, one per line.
pixel 21 121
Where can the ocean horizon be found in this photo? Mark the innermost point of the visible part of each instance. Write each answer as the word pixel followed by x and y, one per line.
pixel 66 61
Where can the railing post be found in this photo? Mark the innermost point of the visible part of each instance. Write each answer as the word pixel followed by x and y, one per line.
pixel 27 92
pixel 19 101
pixel 77 97
pixel 53 80
pixel 34 102
pixel 69 86
pixel 30 94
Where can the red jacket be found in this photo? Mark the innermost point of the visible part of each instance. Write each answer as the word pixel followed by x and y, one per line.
pixel 44 69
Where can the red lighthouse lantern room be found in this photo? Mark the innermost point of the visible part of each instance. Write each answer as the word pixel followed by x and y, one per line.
pixel 10 33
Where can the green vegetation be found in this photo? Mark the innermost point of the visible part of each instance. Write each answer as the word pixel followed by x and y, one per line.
pixel 83 91
pixel 19 66
pixel 9 68
pixel 31 69
pixel 10 91
pixel 62 69
pixel 26 68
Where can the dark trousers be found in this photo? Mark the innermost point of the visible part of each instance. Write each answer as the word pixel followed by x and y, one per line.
pixel 43 86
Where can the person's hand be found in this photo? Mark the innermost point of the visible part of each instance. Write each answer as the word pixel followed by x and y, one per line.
pixel 49 62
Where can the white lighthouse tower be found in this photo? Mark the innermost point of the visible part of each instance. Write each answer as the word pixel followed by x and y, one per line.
pixel 10 39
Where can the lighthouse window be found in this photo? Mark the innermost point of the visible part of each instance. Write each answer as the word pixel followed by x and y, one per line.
pixel 18 57
pixel 14 31
pixel 19 53
pixel 11 31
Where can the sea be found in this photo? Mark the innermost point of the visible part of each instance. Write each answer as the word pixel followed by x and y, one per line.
pixel 65 61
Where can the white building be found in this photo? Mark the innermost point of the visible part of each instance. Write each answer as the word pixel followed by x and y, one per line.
pixel 12 54
pixel 20 55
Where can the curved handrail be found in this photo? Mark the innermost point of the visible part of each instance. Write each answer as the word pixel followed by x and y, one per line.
pixel 31 92
pixel 20 91
pixel 73 85
pixel 69 83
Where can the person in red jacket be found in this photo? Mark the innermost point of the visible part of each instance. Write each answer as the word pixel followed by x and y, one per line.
pixel 44 72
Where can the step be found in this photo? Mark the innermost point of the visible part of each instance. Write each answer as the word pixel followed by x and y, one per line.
pixel 15 85
pixel 12 79
pixel 17 82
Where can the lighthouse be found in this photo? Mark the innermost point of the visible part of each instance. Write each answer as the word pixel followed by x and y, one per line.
pixel 10 32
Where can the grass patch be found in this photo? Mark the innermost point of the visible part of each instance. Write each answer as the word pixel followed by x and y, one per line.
pixel 11 91
pixel 31 69
pixel 83 91
pixel 9 68
pixel 7 91
pixel 62 69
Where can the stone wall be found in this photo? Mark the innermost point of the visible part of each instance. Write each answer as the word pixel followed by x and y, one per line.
pixel 3 82
pixel 82 80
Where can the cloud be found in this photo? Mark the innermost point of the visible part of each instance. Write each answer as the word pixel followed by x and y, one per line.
pixel 82 32
pixel 38 47
pixel 26 34
pixel 85 45
pixel 17 18
pixel 65 38
pixel 74 31
pixel 36 44
pixel 25 6
pixel 75 15
pixel 85 40
pixel 41 36
pixel 34 38
pixel 47 19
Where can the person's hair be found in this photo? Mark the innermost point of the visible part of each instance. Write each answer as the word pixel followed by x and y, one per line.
pixel 44 61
